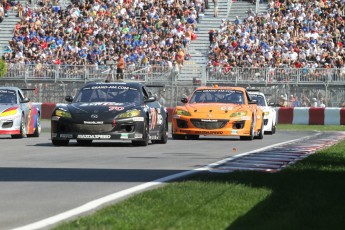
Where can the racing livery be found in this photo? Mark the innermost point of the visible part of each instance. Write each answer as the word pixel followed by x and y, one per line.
pixel 220 111
pixel 108 111
pixel 18 116
pixel 270 114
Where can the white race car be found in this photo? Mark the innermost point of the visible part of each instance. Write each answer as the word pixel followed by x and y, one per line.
pixel 270 114
pixel 18 116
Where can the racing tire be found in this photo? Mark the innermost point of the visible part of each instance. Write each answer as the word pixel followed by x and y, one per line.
pixel 60 142
pixel 145 140
pixel 38 129
pixel 273 131
pixel 22 130
pixel 84 142
pixel 261 132
pixel 178 136
pixel 164 135
pixel 193 137
pixel 251 136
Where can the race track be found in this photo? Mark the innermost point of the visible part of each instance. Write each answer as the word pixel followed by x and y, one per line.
pixel 39 180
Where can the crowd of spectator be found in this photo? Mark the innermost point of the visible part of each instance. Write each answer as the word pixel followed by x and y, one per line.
pixel 292 34
pixel 97 32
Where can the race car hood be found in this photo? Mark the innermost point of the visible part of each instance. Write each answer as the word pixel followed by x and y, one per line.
pixel 215 108
pixel 3 107
pixel 102 110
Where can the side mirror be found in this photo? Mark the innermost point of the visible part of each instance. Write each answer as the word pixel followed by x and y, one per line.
pixel 25 100
pixel 184 100
pixel 253 102
pixel 69 98
pixel 151 99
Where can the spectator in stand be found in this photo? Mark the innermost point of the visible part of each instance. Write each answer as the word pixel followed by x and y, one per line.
pixel 92 33
pixel 120 68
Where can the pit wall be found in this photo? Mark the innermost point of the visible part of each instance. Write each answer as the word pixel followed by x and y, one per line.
pixel 297 115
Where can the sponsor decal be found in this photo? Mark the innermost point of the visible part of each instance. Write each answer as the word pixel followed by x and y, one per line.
pixel 124 136
pixel 186 131
pixel 208 132
pixel 55 118
pixel 94 116
pixel 246 118
pixel 224 108
pixel 154 137
pixel 101 104
pixel 93 122
pixel 234 132
pixel 110 87
pixel 138 119
pixel 208 120
pixel 54 135
pixel 117 108
pixel 66 135
pixel 93 136
pixel 138 135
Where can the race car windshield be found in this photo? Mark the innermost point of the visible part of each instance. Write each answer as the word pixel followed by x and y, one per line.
pixel 8 97
pixel 108 94
pixel 217 96
pixel 259 98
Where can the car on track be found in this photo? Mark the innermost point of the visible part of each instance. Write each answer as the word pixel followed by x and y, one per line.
pixel 18 116
pixel 110 111
pixel 270 114
pixel 218 111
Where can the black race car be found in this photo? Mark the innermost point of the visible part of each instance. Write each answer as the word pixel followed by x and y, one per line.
pixel 108 111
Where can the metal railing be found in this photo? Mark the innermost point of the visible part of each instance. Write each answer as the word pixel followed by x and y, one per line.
pixel 266 76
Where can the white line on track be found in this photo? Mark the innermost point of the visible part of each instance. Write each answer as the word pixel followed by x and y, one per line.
pixel 115 196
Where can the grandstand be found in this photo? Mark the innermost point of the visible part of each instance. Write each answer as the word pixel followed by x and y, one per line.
pixel 285 44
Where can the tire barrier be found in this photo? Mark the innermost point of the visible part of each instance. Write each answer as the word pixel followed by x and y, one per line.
pixel 289 115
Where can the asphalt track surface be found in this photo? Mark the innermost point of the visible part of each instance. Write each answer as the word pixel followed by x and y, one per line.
pixel 39 180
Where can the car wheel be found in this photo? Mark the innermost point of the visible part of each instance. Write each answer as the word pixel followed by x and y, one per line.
pixel 145 140
pixel 22 129
pixel 164 135
pixel 261 132
pixel 60 142
pixel 251 136
pixel 273 129
pixel 84 142
pixel 38 128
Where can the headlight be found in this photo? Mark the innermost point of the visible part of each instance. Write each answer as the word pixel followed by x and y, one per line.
pixel 62 113
pixel 129 113
pixel 9 112
pixel 238 114
pixel 183 112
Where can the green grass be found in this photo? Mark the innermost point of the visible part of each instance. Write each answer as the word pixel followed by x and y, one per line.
pixel 308 195
pixel 311 127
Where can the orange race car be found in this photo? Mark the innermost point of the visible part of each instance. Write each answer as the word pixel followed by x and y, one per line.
pixel 218 111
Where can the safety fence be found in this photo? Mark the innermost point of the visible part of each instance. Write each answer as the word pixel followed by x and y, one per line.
pixel 154 73
pixel 54 82
pixel 300 116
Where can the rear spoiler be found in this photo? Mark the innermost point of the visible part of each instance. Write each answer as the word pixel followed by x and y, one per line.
pixel 156 86
pixel 253 90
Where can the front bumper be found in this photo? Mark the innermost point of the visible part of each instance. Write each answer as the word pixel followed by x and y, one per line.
pixel 124 129
pixel 9 125
pixel 183 125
